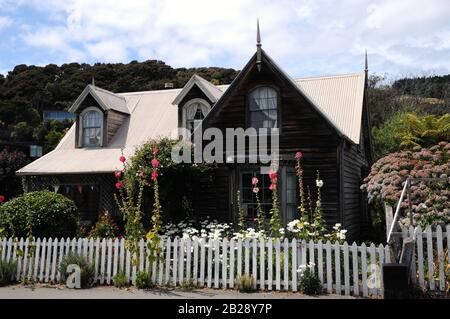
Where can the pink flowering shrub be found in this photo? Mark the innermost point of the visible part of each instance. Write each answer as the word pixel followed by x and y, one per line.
pixel 430 200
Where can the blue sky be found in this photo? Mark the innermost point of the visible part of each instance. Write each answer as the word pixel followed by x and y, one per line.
pixel 307 38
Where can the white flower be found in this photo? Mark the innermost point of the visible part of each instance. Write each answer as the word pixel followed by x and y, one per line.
pixel 319 183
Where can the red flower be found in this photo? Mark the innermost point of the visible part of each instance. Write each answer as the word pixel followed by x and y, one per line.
pixel 155 150
pixel 254 181
pixel 118 174
pixel 298 155
pixel 119 185
pixel 255 190
pixel 155 163
pixel 273 175
pixel 122 159
pixel 2 198
pixel 273 186
pixel 154 175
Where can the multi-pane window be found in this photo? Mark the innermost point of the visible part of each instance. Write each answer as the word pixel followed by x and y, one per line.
pixel 263 108
pixel 291 196
pixel 249 203
pixel 92 128
pixel 195 113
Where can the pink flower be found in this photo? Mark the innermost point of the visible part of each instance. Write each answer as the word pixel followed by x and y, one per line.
pixel 255 190
pixel 119 185
pixel 2 198
pixel 273 175
pixel 122 159
pixel 273 186
pixel 154 175
pixel 155 150
pixel 298 155
pixel 254 181
pixel 155 163
pixel 118 174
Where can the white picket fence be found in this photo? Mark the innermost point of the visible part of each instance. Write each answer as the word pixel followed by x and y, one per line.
pixel 342 268
pixel 432 263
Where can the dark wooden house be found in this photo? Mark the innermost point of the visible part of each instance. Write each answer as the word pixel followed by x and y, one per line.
pixel 325 118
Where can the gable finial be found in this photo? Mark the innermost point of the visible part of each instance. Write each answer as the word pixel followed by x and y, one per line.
pixel 366 63
pixel 93 81
pixel 258 46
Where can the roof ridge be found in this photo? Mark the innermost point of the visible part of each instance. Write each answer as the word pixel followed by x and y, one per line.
pixel 105 91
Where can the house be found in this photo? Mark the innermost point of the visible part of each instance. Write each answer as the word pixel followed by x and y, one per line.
pixel 325 118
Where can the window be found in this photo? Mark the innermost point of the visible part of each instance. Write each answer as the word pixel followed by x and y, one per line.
pixel 194 112
pixel 248 198
pixel 91 128
pixel 35 151
pixel 263 108
pixel 291 196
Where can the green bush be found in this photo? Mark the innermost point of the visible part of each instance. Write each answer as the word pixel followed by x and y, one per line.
pixel 245 283
pixel 41 214
pixel 87 269
pixel 106 227
pixel 7 271
pixel 120 280
pixel 143 280
pixel 310 283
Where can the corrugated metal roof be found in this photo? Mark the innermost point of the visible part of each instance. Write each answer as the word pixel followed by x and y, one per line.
pixel 152 115
pixel 340 98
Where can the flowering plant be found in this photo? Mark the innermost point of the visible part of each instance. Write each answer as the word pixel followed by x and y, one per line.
pixel 275 220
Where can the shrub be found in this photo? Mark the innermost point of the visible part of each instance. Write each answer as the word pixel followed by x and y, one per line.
pixel 245 283
pixel 86 268
pixel 106 227
pixel 42 214
pixel 7 271
pixel 309 282
pixel 120 280
pixel 143 280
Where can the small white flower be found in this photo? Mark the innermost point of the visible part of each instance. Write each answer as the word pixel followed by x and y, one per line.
pixel 319 183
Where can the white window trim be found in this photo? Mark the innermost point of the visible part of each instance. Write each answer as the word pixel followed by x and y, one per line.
pixel 184 119
pixel 80 122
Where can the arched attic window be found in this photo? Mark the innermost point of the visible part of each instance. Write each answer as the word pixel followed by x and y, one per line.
pixel 91 130
pixel 263 108
pixel 194 112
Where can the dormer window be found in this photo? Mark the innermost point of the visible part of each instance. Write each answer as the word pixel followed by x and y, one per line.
pixel 263 108
pixel 194 112
pixel 91 121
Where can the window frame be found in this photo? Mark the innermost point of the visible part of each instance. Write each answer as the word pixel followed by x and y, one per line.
pixel 186 132
pixel 81 127
pixel 247 107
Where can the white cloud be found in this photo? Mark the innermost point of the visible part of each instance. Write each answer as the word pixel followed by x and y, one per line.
pixel 5 22
pixel 305 37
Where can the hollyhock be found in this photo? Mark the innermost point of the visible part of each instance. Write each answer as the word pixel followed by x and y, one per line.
pixel 122 159
pixel 298 155
pixel 254 181
pixel 155 150
pixel 2 198
pixel 273 175
pixel 273 186
pixel 154 175
pixel 119 185
pixel 255 190
pixel 118 174
pixel 155 163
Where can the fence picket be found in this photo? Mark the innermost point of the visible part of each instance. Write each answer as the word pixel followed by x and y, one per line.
pixel 122 255
pixel 319 261
pixel 19 258
pixel 102 261
pixel 329 270
pixel 277 264
pixel 430 257
pixel 269 264
pixel 346 270
pixel 210 252
pixel 175 261
pixel 216 263
pixel 109 262
pixel 337 261
pixel 247 257
pixel 262 278
pixel 116 257
pixel 419 245
pixel 254 261
pixel 239 258
pixel 294 264
pixel 168 254
pixel 43 255
pixel 355 269
pixel 25 258
pixel 232 279
pixel 364 270
pixel 202 262
pixel 224 263
pixel 286 264
pixel 381 259
pixel 62 244
pixel 3 250
pixel 195 270
pixel 54 260
pixel 48 259
pixel 374 276
pixel 188 259
pixel 441 257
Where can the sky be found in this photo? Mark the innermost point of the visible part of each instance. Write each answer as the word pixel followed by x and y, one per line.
pixel 306 38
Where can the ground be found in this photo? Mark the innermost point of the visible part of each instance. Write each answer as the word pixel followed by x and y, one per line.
pixel 40 291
